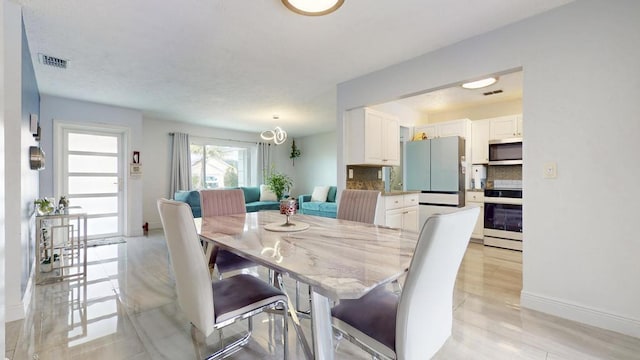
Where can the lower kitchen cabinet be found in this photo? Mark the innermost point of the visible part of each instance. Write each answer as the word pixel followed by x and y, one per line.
pixel 400 211
pixel 476 198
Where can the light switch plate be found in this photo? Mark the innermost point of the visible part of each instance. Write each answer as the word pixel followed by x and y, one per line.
pixel 550 170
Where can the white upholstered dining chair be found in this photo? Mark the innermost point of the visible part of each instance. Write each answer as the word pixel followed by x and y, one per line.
pixel 212 305
pixel 416 323
pixel 224 202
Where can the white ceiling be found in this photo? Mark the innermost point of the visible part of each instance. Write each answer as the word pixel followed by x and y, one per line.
pixel 235 63
pixel 456 97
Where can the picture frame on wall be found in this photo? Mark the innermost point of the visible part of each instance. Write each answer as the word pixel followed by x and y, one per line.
pixel 33 124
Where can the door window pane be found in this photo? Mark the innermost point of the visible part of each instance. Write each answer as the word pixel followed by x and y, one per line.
pixel 93 143
pixel 102 226
pixel 97 205
pixel 92 184
pixel 93 164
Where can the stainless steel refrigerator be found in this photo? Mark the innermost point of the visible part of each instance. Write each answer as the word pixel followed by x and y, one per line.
pixel 435 167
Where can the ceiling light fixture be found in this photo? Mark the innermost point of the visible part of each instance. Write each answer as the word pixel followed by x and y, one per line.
pixel 278 135
pixel 313 7
pixel 478 84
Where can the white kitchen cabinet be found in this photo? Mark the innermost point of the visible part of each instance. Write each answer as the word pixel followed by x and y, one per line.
pixel 453 128
pixel 476 198
pixel 519 129
pixel 480 132
pixel 444 129
pixel 400 212
pixel 372 138
pixel 505 127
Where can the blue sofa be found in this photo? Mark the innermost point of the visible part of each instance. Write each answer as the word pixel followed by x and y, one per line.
pixel 251 200
pixel 192 198
pixel 328 208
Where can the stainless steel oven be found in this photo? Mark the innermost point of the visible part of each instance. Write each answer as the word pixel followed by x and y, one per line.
pixel 503 218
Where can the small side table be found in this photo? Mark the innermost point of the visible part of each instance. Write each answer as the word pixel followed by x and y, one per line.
pixel 61 250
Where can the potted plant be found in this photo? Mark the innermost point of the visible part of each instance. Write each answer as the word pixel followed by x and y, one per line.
pixel 279 183
pixel 45 265
pixel 295 153
pixel 44 206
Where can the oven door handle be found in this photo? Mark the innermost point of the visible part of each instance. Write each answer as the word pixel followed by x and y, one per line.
pixel 508 201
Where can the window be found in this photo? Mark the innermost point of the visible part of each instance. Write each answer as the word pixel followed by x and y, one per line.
pixel 220 165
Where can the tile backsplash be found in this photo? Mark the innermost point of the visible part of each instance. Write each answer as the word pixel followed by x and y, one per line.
pixel 365 178
pixel 503 172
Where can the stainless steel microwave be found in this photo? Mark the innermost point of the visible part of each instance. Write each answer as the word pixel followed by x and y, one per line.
pixel 505 152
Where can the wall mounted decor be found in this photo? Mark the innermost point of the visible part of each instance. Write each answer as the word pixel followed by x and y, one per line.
pixel 33 124
pixel 36 158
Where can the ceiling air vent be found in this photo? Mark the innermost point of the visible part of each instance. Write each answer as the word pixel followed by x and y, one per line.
pixel 53 61
pixel 492 92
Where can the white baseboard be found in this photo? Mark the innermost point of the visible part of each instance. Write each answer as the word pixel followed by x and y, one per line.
pixel 19 311
pixel 14 312
pixel 581 313
pixel 155 226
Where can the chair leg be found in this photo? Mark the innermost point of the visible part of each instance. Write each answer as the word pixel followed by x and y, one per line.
pixel 297 295
pixel 231 348
pixel 285 330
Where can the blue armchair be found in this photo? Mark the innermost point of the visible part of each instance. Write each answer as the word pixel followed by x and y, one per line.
pixel 328 208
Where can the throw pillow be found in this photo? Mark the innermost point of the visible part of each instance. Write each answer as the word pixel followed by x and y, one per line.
pixel 266 194
pixel 320 193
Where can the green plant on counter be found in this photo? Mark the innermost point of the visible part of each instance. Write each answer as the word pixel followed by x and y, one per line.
pixel 44 206
pixel 278 183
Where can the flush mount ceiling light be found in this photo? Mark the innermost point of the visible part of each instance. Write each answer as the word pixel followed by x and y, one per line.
pixel 313 7
pixel 278 135
pixel 478 84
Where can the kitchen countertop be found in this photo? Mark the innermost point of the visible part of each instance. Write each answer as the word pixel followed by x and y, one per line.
pixel 394 193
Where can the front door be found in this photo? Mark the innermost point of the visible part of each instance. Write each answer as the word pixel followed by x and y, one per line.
pixel 92 177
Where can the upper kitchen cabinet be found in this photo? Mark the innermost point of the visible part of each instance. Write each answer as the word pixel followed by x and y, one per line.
pixel 505 127
pixel 372 138
pixel 444 129
pixel 480 132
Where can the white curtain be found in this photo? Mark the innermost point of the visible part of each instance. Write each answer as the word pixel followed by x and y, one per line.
pixel 264 161
pixel 180 163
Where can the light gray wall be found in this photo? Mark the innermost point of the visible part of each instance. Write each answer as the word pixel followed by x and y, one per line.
pixel 53 108
pixel 580 108
pixel 9 109
pixel 156 158
pixel 317 163
pixel 21 98
pixel 28 178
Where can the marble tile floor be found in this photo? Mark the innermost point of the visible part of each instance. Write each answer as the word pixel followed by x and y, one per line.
pixel 127 309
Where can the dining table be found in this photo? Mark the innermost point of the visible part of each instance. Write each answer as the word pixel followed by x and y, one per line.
pixel 338 259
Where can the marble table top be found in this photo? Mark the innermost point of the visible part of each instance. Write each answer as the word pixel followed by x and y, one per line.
pixel 340 259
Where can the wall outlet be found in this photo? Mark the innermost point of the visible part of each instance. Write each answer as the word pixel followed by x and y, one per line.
pixel 379 174
pixel 550 170
pixel 350 173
